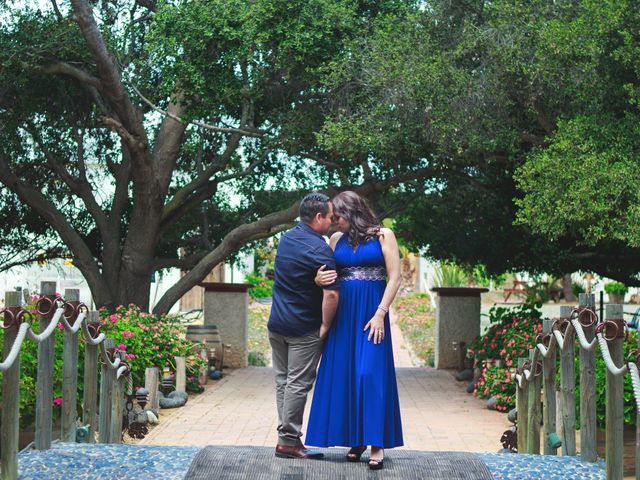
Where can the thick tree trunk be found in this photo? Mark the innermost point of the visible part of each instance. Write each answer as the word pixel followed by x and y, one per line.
pixel 567 288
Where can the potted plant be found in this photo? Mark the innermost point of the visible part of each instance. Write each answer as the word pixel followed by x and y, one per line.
pixel 616 291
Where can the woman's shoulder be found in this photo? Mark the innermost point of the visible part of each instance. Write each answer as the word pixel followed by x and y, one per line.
pixel 385 233
pixel 333 241
pixel 386 237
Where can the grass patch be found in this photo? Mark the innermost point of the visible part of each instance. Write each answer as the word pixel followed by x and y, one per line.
pixel 416 319
pixel 258 338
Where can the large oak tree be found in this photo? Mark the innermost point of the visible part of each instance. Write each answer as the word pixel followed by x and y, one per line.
pixel 140 135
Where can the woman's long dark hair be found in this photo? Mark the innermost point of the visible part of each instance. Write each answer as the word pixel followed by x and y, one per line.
pixel 354 209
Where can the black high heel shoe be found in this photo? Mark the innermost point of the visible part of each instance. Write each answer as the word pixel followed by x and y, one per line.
pixel 354 453
pixel 376 464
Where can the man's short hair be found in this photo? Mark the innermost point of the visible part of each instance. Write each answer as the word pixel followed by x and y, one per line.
pixel 313 203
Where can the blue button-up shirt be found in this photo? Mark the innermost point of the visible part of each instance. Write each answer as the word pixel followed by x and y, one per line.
pixel 296 309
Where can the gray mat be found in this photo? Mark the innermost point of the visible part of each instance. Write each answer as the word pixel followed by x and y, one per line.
pixel 257 463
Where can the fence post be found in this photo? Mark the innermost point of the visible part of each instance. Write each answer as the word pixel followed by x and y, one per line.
pixel 90 397
pixel 521 408
pixel 10 431
pixel 549 397
pixel 181 374
pixel 615 399
pixel 151 384
pixel 44 384
pixel 588 386
pixel 70 373
pixel 533 407
pixel 115 426
pixel 106 394
pixel 568 388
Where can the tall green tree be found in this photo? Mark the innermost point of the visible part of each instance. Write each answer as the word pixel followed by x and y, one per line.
pixel 495 84
pixel 143 135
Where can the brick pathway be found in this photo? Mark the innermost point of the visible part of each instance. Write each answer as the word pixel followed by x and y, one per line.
pixel 437 413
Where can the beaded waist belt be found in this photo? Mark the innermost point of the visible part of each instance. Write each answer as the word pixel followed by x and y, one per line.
pixel 363 273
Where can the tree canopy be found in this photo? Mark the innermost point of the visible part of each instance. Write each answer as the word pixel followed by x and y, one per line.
pixel 536 116
pixel 140 135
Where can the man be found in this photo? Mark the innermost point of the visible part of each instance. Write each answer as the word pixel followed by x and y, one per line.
pixel 301 314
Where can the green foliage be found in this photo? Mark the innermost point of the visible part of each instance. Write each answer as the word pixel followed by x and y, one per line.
pixel 511 334
pixel 584 179
pixel 258 338
pixel 542 288
pixel 615 288
pixel 483 278
pixel 416 320
pixel 448 274
pixel 262 286
pixel 149 340
pixel 577 287
pixel 264 67
pixel 497 381
pixel 545 91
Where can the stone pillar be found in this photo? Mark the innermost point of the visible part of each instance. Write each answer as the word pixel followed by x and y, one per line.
pixel 226 305
pixel 457 320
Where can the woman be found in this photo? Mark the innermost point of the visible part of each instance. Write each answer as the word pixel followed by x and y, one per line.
pixel 355 402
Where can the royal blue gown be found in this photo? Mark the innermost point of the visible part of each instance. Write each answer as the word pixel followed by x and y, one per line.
pixel 355 401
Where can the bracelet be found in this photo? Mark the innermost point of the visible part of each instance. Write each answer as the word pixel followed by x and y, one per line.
pixel 383 308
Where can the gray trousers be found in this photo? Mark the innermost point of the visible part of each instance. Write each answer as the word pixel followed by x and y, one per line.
pixel 295 360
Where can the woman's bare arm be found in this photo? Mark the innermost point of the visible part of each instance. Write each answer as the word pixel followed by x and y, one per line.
pixel 392 264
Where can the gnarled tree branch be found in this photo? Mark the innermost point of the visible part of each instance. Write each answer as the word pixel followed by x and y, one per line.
pixel 83 257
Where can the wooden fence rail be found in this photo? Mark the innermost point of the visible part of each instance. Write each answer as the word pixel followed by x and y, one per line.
pixel 536 379
pixel 74 317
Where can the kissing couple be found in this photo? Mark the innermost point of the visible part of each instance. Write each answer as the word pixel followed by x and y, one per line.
pixel 332 301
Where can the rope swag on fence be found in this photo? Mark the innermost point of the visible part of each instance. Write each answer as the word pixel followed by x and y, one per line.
pixel 559 336
pixel 50 311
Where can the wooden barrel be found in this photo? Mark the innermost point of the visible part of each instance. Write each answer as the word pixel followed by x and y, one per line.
pixel 203 334
pixel 210 337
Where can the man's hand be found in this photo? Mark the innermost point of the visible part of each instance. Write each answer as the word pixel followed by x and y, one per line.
pixel 324 331
pixel 325 277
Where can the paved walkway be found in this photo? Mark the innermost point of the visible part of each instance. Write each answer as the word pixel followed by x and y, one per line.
pixel 437 413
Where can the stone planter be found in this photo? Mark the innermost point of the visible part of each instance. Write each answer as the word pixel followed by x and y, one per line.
pixel 226 305
pixel 616 298
pixel 457 320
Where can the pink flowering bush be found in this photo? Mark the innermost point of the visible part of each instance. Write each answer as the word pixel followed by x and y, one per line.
pixel 497 381
pixel 149 340
pixel 512 332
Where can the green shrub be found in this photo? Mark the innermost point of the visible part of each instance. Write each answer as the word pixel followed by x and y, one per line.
pixel 615 288
pixel 258 338
pixel 511 333
pixel 256 359
pixel 149 340
pixel 577 288
pixel 495 380
pixel 262 286
pixel 449 275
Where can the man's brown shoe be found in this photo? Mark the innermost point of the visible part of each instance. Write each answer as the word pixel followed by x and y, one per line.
pixel 298 451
